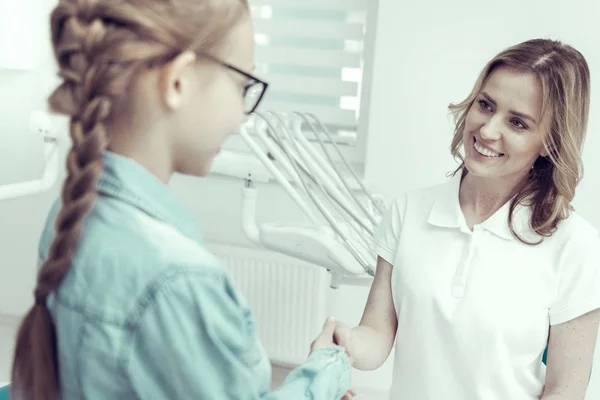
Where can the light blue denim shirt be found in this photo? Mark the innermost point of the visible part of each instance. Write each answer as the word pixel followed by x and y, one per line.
pixel 146 312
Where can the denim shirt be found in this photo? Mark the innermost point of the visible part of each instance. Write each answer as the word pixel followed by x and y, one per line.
pixel 146 312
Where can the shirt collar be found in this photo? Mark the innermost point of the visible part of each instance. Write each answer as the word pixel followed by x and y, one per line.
pixel 446 212
pixel 128 181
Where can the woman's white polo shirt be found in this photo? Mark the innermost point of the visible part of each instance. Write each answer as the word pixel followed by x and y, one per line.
pixel 474 307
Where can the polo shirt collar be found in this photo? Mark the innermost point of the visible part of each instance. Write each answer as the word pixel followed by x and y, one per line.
pixel 446 213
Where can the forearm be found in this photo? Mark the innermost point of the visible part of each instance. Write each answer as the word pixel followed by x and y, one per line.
pixel 373 339
pixel 370 348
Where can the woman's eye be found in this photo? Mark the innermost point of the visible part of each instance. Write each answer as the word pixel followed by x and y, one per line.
pixel 517 123
pixel 485 105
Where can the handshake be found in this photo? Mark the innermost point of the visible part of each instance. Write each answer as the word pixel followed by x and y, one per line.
pixel 336 334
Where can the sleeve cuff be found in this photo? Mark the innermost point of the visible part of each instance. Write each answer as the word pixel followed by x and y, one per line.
pixel 576 310
pixel 331 372
pixel 383 252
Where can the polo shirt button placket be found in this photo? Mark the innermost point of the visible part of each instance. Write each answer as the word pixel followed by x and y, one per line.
pixel 459 282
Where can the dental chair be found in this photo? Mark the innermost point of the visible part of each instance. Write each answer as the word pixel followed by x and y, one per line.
pixel 544 357
pixel 3 391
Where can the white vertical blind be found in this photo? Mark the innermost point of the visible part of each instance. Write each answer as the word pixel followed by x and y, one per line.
pixel 311 53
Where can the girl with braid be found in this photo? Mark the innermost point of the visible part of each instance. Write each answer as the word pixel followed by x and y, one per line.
pixel 129 304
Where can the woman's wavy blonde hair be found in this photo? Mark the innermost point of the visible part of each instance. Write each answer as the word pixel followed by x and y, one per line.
pixel 565 79
pixel 100 47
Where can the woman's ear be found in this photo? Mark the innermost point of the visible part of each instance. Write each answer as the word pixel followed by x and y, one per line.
pixel 175 78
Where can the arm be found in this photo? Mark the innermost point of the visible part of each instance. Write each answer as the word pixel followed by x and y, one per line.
pixel 570 354
pixel 373 339
pixel 370 343
pixel 574 319
pixel 195 339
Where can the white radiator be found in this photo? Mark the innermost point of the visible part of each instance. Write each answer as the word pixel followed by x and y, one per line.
pixel 288 298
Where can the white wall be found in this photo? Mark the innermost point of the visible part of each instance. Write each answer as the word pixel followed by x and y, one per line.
pixel 426 57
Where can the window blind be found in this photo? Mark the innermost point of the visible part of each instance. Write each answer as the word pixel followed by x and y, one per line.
pixel 311 53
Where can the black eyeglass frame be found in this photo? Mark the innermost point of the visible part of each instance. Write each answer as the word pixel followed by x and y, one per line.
pixel 255 80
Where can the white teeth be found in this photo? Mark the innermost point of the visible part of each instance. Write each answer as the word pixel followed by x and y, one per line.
pixel 483 151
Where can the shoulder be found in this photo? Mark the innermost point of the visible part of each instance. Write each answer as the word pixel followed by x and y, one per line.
pixel 574 245
pixel 575 234
pixel 576 224
pixel 429 194
pixel 122 257
pixel 421 200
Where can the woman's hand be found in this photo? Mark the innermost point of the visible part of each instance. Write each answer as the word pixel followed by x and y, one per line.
pixel 333 333
pixel 325 338
pixel 344 337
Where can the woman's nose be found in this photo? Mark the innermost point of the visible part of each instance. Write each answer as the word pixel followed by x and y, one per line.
pixel 491 129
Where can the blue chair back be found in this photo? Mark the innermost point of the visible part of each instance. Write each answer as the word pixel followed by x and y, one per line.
pixel 545 356
pixel 4 393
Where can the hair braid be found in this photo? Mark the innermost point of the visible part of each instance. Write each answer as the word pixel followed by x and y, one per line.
pixel 35 372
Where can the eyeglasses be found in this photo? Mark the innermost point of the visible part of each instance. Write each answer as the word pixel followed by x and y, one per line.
pixel 254 90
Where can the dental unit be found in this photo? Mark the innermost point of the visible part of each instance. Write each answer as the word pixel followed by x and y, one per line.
pixel 340 225
pixel 341 213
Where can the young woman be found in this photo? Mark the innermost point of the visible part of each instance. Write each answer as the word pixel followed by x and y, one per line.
pixel 129 304
pixel 477 276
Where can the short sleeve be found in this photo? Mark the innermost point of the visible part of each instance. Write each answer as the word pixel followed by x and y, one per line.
pixel 387 234
pixel 196 339
pixel 578 289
